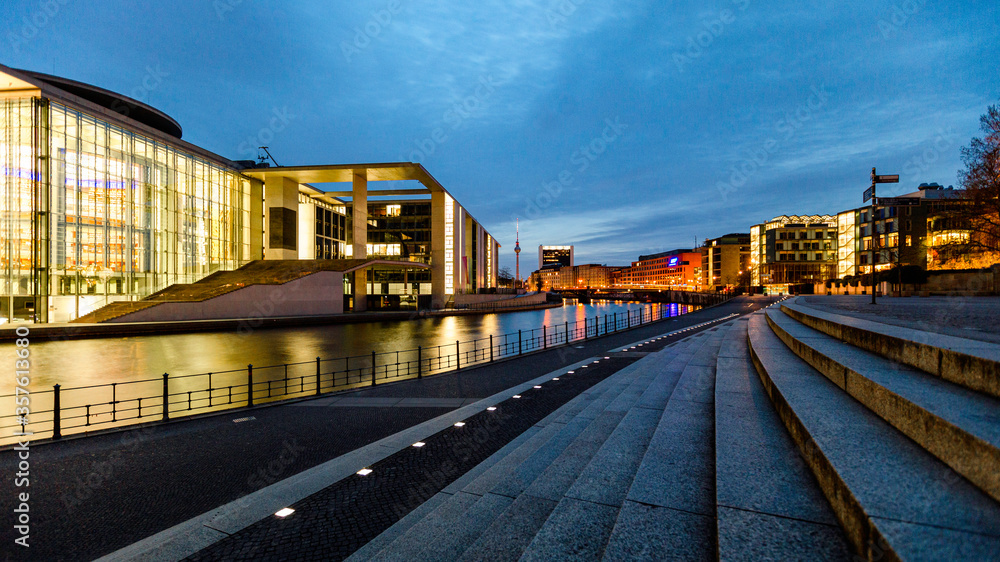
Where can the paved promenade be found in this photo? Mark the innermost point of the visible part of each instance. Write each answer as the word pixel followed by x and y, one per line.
pixel 975 318
pixel 92 496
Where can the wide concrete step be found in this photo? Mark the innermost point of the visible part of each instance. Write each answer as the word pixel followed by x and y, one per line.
pixel 669 510
pixel 893 499
pixel 768 504
pixel 530 526
pixel 957 425
pixel 969 363
pixel 463 510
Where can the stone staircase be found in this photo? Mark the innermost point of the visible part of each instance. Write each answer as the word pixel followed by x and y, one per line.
pixel 632 469
pixel 762 438
pixel 900 427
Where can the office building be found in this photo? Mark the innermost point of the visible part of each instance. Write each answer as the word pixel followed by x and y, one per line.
pixel 101 201
pixel 792 250
pixel 549 255
pixel 725 262
pixel 678 270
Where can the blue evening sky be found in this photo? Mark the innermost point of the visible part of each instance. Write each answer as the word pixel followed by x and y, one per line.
pixel 623 128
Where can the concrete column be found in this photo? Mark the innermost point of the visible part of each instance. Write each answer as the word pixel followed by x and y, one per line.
pixel 307 231
pixel 256 219
pixel 359 204
pixel 437 250
pixel 281 201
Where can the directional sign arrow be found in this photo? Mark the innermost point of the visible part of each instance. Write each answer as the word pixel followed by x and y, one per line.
pixel 887 179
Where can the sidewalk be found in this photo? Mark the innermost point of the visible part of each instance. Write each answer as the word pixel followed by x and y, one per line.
pixel 95 495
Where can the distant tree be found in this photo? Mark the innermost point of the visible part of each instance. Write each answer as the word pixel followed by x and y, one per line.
pixel 538 283
pixel 978 210
pixel 504 277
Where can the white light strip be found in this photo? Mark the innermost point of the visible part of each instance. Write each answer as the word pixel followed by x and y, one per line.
pixel 285 512
pixel 364 472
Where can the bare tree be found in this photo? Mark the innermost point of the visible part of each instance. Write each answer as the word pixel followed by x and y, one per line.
pixel 977 210
pixel 504 277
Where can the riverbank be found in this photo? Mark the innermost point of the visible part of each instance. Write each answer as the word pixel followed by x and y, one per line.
pixel 72 331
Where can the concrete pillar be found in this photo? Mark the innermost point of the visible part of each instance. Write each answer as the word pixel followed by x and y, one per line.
pixel 281 200
pixel 437 250
pixel 359 204
pixel 256 219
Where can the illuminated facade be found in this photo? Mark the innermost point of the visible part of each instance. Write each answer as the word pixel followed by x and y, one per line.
pixel 678 270
pixel 725 262
pixel 588 276
pixel 93 211
pixel 791 250
pixel 101 201
pixel 555 255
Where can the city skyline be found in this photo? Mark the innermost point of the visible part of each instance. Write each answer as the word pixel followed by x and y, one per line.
pixel 620 129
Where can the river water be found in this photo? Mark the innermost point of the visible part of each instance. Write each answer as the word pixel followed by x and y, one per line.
pixel 102 380
pixel 77 363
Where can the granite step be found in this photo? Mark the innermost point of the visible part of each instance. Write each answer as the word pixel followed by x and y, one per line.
pixel 970 363
pixel 892 498
pixel 669 509
pixel 510 535
pixel 959 426
pixel 768 504
pixel 456 520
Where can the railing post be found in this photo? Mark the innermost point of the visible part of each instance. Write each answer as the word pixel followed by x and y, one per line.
pixel 250 385
pixel 318 381
pixel 545 337
pixel 373 368
pixel 491 348
pixel 166 398
pixel 566 331
pixel 458 357
pixel 420 362
pixel 616 321
pixel 56 414
pixel 520 350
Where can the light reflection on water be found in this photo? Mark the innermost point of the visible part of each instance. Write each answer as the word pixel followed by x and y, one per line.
pixel 78 363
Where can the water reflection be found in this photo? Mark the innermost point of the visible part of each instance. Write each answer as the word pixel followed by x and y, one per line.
pixel 102 361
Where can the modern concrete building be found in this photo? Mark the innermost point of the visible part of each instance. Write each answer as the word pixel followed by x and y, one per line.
pixel 790 250
pixel 554 277
pixel 678 270
pixel 102 201
pixel 906 234
pixel 549 255
pixel 725 262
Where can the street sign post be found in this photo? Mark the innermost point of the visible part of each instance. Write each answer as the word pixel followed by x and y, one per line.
pixel 870 193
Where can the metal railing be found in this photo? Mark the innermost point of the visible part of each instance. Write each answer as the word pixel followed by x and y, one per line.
pixel 63 411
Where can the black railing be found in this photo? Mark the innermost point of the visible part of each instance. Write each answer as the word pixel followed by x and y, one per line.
pixel 63 411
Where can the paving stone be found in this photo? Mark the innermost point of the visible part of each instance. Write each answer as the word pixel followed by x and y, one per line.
pixel 608 476
pixel 645 532
pixel 576 530
pixel 512 532
pixel 747 535
pixel 678 469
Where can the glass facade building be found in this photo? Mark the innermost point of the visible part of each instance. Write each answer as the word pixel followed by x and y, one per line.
pixel 91 212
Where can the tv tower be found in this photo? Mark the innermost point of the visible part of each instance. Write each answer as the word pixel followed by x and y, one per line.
pixel 517 252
